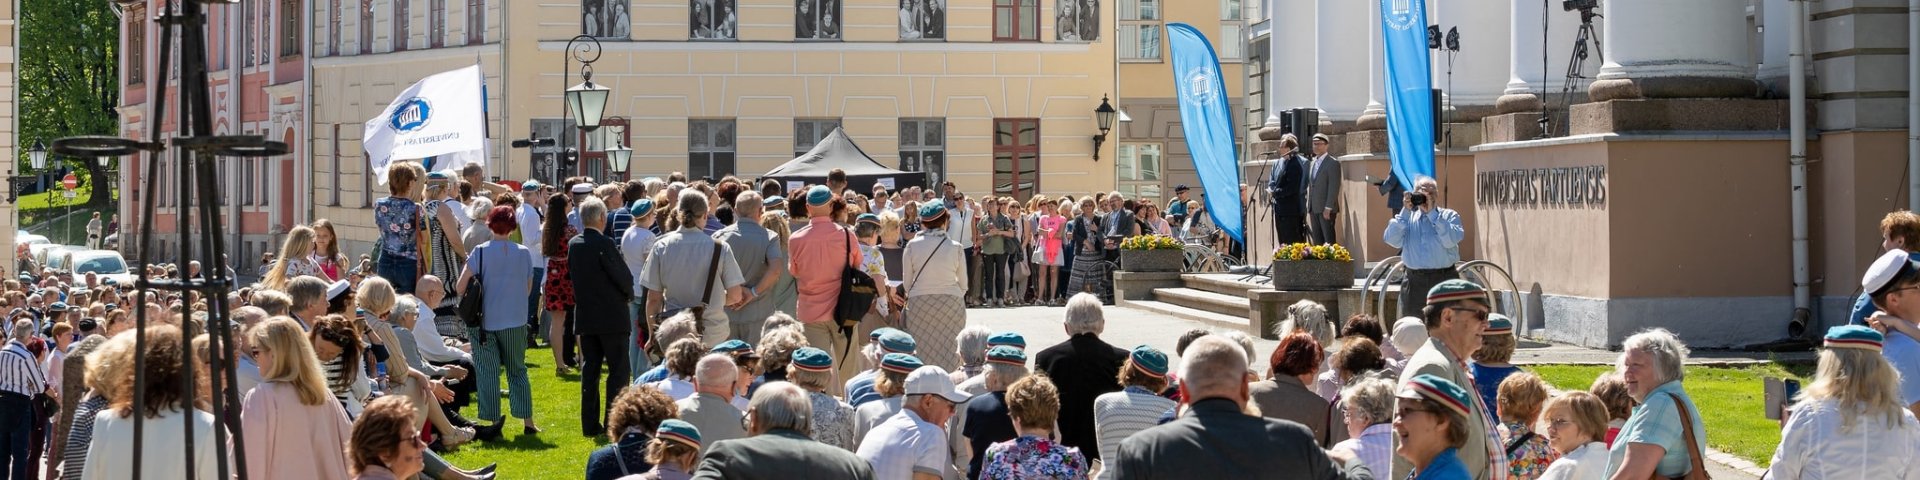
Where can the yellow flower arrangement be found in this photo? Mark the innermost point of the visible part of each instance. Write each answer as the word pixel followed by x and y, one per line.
pixel 1307 251
pixel 1151 242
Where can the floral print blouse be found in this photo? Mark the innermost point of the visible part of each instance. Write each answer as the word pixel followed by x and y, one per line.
pixel 1031 457
pixel 875 264
pixel 1530 460
pixel 399 222
pixel 832 421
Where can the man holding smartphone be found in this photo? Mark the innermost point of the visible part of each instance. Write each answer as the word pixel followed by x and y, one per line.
pixel 1428 236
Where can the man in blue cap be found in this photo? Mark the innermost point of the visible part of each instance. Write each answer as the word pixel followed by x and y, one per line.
pixel 821 251
pixel 762 262
pixel 532 200
pixel 635 244
pixel 1456 315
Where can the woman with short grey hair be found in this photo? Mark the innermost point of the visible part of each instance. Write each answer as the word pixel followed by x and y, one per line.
pixel 1653 442
pixel 973 352
pixel 1084 315
pixel 1368 413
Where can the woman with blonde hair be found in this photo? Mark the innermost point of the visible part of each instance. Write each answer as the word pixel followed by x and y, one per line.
pixel 167 410
pixel 326 251
pixel 446 247
pixel 293 425
pixel 1576 425
pixel 1849 422
pixel 296 259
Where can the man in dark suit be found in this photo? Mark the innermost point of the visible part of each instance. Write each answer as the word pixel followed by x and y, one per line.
pixel 776 448
pixel 1323 192
pixel 1216 439
pixel 602 288
pixel 1083 367
pixel 1286 188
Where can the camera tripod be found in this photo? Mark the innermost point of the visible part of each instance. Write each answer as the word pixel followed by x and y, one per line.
pixel 1574 73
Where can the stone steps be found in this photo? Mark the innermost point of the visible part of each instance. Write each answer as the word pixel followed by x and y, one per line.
pixel 1216 302
pixel 1209 318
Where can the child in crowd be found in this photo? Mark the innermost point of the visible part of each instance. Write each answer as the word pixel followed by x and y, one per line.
pixel 1612 390
pixel 1521 397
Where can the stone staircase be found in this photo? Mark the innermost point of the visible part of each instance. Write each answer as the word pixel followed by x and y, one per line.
pixel 1224 301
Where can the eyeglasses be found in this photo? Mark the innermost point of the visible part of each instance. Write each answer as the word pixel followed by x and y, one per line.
pixel 1403 412
pixel 1558 424
pixel 1478 314
pixel 411 437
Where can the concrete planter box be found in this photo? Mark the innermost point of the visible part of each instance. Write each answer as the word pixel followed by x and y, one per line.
pixel 1153 260
pixel 1312 275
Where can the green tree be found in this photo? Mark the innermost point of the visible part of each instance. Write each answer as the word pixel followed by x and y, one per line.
pixel 69 79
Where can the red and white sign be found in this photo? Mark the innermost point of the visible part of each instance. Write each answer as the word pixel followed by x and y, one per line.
pixel 71 182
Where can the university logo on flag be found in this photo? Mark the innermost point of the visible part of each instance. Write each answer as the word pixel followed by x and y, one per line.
pixel 442 117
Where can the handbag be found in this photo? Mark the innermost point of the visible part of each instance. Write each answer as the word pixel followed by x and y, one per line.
pixel 857 290
pixel 1699 466
pixel 472 308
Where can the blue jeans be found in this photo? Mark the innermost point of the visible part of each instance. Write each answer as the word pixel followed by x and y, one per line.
pixel 534 310
pixel 402 272
pixel 16 424
pixel 496 352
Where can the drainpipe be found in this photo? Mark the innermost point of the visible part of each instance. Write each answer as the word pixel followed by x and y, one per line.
pixel 1797 159
pixel 1913 106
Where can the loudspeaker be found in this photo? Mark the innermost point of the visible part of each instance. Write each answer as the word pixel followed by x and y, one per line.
pixel 1303 124
pixel 1438 125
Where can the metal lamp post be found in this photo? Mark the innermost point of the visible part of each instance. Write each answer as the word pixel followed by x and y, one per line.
pixel 586 102
pixel 619 157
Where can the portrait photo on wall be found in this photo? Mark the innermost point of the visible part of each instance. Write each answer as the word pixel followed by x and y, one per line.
pixel 1077 20
pixel 713 20
pixel 923 19
pixel 605 18
pixel 816 19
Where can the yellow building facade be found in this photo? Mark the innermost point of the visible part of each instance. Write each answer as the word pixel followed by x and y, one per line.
pixel 997 96
pixel 1151 158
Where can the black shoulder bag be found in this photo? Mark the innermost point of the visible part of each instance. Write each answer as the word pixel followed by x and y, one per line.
pixel 472 307
pixel 857 291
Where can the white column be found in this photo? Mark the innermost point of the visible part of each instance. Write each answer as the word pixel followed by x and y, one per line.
pixel 1376 66
pixel 1540 56
pixel 1293 42
pixel 1338 93
pixel 1480 69
pixel 1774 15
pixel 1674 49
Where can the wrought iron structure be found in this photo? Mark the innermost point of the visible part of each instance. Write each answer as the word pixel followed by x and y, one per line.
pixel 196 149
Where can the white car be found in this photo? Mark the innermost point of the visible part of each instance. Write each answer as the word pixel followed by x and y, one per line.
pixel 24 238
pixel 39 252
pixel 55 258
pixel 102 263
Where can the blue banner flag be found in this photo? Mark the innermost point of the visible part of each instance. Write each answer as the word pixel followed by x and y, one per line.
pixel 1208 122
pixel 1403 26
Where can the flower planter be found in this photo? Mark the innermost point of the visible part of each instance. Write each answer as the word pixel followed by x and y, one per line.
pixel 1312 275
pixel 1153 260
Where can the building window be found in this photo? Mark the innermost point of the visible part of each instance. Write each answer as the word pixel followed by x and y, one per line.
pixel 333 27
pixel 136 46
pixel 1076 20
pixel 1016 157
pixel 923 148
pixel 713 20
pixel 593 159
pixel 289 28
pixel 709 148
pixel 1138 169
pixel 366 27
pixel 248 38
pixel 923 19
pixel 402 20
pixel 1016 20
pixel 437 23
pixel 1139 40
pixel 366 182
pixel 476 22
pixel 816 20
pixel 1233 41
pixel 247 179
pixel 605 19
pixel 1257 66
pixel 1230 10
pixel 808 132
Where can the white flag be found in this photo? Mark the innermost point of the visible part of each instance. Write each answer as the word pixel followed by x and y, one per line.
pixel 442 114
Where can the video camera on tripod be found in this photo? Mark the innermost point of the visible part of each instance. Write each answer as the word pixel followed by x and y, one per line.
pixel 1582 5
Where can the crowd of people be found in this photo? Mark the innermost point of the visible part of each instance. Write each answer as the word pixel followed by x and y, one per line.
pixel 704 324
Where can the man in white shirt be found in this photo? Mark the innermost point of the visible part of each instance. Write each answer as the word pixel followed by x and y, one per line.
pixel 532 201
pixel 433 347
pixel 635 243
pixel 911 444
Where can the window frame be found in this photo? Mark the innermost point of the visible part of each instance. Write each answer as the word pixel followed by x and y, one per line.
pixel 136 31
pixel 476 22
pixel 1239 42
pixel 839 17
pixel 335 27
pixel 732 149
pixel 1012 128
pixel 402 13
pixel 436 23
pixel 335 184
pixel 1125 48
pixel 1015 8
pixel 290 15
pixel 918 148
pixel 819 133
pixel 366 27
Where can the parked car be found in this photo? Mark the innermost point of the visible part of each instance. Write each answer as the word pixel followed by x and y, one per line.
pixel 38 252
pixel 55 258
pixel 24 238
pixel 102 263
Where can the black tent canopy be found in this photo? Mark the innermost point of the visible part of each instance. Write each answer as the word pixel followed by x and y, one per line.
pixel 838 151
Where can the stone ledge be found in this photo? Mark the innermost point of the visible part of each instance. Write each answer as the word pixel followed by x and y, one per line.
pixel 1687 114
pixel 1139 285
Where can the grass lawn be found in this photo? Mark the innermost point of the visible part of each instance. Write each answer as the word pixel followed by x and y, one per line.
pixel 1730 401
pixel 38 211
pixel 558 451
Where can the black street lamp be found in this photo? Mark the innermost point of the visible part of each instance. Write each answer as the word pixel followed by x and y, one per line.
pixel 619 157
pixel 585 102
pixel 1104 115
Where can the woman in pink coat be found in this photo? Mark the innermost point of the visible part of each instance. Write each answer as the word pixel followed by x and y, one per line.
pixel 294 427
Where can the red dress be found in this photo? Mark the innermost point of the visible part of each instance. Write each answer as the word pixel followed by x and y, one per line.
pixel 559 289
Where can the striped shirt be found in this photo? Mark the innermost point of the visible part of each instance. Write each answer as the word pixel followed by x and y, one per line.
pixel 1118 415
pixel 80 436
pixel 1374 447
pixel 19 373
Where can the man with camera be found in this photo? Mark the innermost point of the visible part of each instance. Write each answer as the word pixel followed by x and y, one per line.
pixel 1428 237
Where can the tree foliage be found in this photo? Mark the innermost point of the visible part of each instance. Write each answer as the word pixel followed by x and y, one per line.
pixel 69 78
